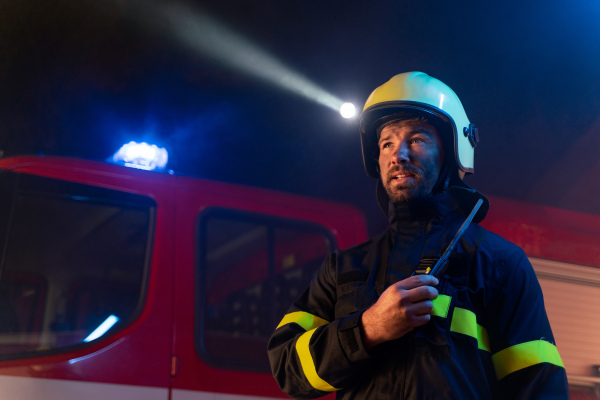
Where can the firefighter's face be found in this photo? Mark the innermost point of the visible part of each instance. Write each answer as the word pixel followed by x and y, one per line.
pixel 410 159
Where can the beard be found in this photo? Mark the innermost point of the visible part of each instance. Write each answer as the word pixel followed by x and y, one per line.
pixel 419 188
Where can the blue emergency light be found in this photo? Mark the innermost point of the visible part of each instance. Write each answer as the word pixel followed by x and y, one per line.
pixel 142 155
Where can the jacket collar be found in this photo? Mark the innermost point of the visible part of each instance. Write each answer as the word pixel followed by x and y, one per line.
pixel 460 196
pixel 418 215
pixel 427 213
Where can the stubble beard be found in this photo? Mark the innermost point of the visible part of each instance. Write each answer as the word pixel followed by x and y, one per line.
pixel 399 193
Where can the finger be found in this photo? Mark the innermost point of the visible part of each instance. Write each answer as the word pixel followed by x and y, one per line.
pixel 418 320
pixel 421 307
pixel 416 281
pixel 418 294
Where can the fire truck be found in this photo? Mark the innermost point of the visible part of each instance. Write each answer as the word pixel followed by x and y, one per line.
pixel 118 283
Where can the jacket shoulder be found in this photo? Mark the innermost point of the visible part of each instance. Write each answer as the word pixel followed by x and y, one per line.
pixel 497 246
pixel 363 256
pixel 498 260
pixel 366 246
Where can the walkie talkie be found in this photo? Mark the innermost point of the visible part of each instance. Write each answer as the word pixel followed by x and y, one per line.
pixel 436 266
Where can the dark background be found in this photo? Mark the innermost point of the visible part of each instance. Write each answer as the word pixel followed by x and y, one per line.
pixel 82 77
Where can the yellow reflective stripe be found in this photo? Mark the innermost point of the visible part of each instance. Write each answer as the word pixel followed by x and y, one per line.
pixel 305 320
pixel 524 355
pixel 441 305
pixel 308 365
pixel 465 322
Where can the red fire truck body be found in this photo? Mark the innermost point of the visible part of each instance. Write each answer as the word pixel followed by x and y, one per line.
pixel 127 284
pixel 156 355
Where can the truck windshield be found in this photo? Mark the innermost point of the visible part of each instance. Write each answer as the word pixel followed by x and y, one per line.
pixel 73 262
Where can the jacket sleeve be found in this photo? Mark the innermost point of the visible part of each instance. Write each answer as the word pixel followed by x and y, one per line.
pixel 311 353
pixel 524 353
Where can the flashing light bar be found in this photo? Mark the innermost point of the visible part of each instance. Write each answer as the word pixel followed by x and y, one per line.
pixel 141 156
pixel 102 329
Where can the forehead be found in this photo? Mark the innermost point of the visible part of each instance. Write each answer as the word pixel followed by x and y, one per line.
pixel 406 127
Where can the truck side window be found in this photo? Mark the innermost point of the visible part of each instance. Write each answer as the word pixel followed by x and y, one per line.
pixel 251 268
pixel 74 258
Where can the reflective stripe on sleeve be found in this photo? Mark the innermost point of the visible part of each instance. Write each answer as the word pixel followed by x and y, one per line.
pixel 524 355
pixel 465 322
pixel 308 364
pixel 441 305
pixel 305 320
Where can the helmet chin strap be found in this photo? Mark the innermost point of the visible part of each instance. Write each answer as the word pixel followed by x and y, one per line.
pixel 443 181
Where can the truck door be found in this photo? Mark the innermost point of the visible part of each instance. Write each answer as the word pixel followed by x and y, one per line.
pixel 239 269
pixel 77 313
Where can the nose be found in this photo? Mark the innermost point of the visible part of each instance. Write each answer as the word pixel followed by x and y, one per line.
pixel 402 156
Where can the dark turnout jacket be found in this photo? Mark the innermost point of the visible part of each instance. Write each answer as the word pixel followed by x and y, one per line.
pixel 488 338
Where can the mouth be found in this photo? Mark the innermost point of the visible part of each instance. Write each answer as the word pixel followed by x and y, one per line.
pixel 402 179
pixel 402 176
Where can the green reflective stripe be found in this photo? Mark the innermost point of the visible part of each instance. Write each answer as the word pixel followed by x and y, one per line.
pixel 483 341
pixel 524 355
pixel 441 305
pixel 305 320
pixel 465 322
pixel 308 365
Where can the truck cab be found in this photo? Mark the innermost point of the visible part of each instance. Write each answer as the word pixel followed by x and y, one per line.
pixel 128 284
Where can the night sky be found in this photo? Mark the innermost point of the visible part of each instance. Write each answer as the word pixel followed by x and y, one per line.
pixel 81 77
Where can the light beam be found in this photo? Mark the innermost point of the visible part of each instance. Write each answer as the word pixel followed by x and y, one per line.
pixel 204 35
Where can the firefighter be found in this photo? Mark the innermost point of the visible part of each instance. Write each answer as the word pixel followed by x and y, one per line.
pixel 367 328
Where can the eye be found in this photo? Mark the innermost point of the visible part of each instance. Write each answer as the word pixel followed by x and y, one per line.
pixel 385 145
pixel 417 140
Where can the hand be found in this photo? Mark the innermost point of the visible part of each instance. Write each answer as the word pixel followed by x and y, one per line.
pixel 401 308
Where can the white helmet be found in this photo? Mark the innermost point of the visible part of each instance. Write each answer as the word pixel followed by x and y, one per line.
pixel 416 94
